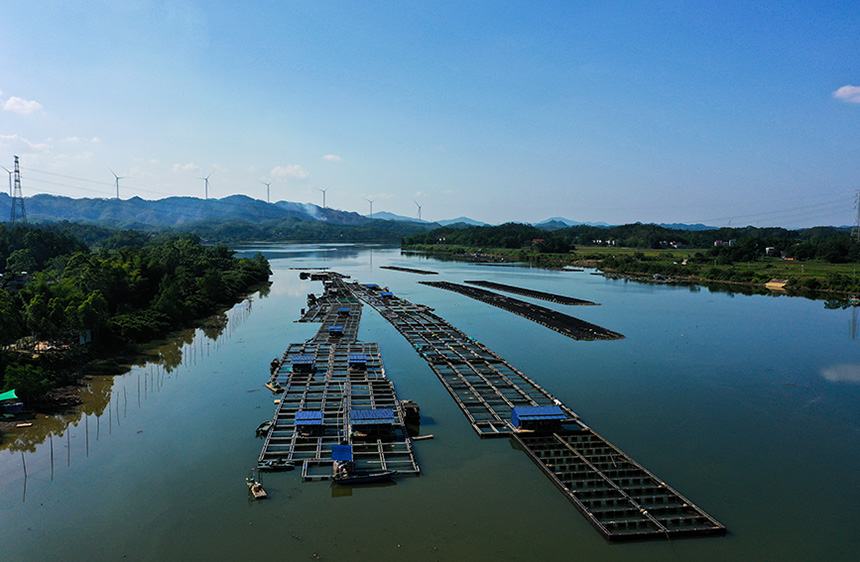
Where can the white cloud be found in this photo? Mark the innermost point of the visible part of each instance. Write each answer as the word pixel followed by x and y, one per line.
pixel 16 143
pixel 72 139
pixel 849 94
pixel 842 373
pixel 190 167
pixel 332 157
pixel 21 106
pixel 291 171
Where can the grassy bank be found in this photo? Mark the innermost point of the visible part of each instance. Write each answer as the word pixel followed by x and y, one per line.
pixel 679 264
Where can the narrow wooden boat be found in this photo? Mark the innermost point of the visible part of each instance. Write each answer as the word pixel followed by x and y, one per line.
pixel 263 428
pixel 364 478
pixel 276 465
pixel 256 488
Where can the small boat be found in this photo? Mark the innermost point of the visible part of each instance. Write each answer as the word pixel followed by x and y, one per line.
pixel 263 428
pixel 364 478
pixel 9 403
pixel 256 488
pixel 275 387
pixel 273 465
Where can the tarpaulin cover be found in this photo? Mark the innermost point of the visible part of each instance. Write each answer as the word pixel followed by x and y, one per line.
pixel 309 417
pixel 372 417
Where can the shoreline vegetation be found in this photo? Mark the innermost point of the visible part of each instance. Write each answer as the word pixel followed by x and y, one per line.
pixel 70 309
pixel 812 262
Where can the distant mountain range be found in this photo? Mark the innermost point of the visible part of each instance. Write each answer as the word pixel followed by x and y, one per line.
pixel 171 212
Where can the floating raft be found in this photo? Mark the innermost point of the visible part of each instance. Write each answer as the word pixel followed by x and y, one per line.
pixel 619 497
pixel 325 380
pixel 560 299
pixel 409 270
pixel 554 320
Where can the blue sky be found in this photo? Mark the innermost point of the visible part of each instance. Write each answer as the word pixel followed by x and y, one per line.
pixel 714 112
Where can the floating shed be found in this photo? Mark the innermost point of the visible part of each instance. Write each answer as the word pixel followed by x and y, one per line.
pixel 376 416
pixel 309 417
pixel 302 363
pixel 372 287
pixel 527 417
pixel 357 361
pixel 386 294
pixel 335 330
pixel 341 452
pixel 343 311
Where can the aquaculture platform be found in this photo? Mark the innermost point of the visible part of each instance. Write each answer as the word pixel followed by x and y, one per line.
pixel 560 299
pixel 327 382
pixel 561 323
pixel 619 497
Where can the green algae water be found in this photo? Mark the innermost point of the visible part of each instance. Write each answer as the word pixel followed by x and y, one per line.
pixel 747 405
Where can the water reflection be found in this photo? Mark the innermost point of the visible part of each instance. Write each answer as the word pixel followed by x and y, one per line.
pixel 108 395
pixel 842 373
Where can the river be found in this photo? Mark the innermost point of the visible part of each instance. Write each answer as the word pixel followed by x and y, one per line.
pixel 749 405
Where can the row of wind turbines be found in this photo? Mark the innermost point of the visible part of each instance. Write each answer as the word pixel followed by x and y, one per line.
pixel 268 185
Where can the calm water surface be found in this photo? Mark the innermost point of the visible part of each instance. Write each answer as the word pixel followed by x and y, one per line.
pixel 748 405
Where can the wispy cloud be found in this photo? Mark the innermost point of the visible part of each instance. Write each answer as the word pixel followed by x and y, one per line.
pixel 332 157
pixel 183 168
pixel 290 171
pixel 21 106
pixel 17 143
pixel 848 94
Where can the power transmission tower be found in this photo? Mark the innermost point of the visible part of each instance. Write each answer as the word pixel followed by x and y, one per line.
pixel 19 214
pixel 856 232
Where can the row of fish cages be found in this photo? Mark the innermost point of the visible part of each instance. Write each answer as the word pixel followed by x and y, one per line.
pixel 619 497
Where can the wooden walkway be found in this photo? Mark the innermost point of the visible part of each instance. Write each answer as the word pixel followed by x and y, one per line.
pixel 619 497
pixel 334 386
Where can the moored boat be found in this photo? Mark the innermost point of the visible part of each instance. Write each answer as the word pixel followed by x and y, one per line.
pixel 364 477
pixel 256 488
pixel 263 428
pixel 273 465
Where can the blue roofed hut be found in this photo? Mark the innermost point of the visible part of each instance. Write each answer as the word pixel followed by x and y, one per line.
pixel 530 418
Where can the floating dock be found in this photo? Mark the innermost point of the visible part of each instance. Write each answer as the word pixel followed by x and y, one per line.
pixel 619 497
pixel 554 320
pixel 335 392
pixel 409 270
pixel 559 299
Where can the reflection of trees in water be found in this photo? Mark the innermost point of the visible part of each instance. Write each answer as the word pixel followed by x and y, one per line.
pixel 104 401
pixel 214 326
pixel 265 289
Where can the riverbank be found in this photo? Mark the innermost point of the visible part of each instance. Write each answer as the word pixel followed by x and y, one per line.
pixel 673 266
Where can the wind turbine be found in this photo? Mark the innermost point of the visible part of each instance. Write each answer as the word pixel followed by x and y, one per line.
pixel 10 179
pixel 371 206
pixel 323 192
pixel 206 185
pixel 267 184
pixel 116 181
pixel 419 208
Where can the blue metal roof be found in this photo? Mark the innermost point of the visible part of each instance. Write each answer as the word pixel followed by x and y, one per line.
pixel 341 452
pixel 372 417
pixel 357 358
pixel 301 359
pixel 337 328
pixel 309 417
pixel 536 413
pixel 385 294
pixel 372 286
pixel 343 309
